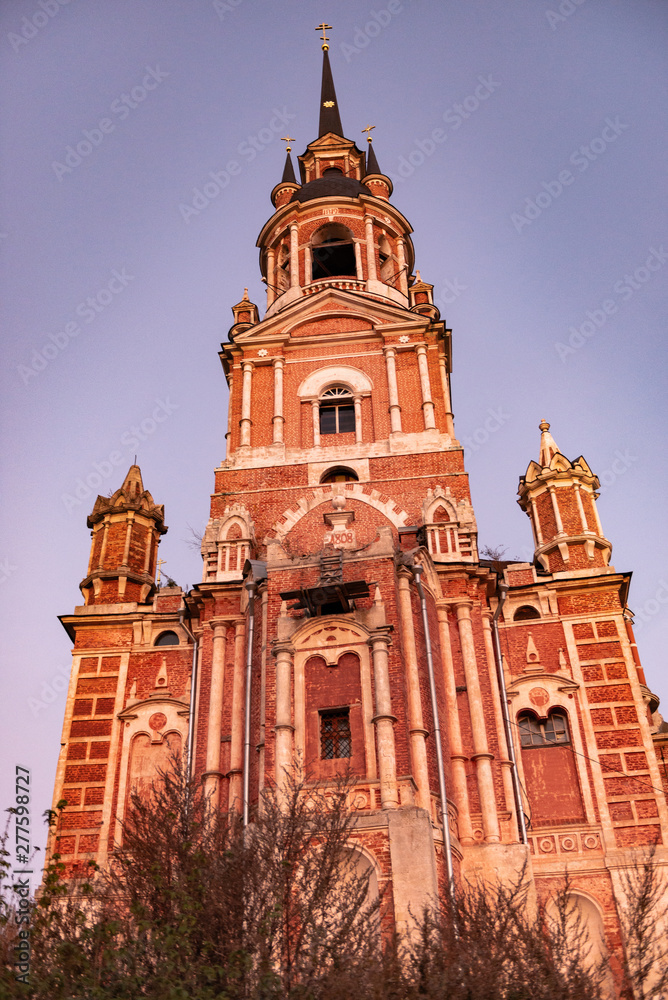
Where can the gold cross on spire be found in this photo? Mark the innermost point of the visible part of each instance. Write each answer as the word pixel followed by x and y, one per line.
pixel 324 27
pixel 161 563
pixel 368 132
pixel 288 139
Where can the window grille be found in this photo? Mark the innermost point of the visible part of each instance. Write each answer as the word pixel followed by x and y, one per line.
pixel 335 740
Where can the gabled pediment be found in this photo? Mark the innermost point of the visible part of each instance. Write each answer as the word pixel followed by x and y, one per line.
pixel 331 303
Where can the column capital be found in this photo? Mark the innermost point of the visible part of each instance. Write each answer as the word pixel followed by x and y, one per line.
pixel 221 620
pixel 247 365
pixel 282 647
pixel 389 350
pixel 278 361
pixel 384 718
pixel 381 635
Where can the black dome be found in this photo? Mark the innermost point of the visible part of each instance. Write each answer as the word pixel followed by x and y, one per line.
pixel 332 184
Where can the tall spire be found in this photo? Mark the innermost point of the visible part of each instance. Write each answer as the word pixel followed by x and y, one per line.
pixel 330 120
pixel 548 446
pixel 371 161
pixel 288 171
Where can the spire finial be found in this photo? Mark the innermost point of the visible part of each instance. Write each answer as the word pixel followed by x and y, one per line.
pixel 324 27
pixel 548 446
pixel 288 139
pixel 368 132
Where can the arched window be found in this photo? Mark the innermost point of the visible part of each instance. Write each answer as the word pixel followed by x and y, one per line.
pixel 525 613
pixel 535 732
pixel 167 639
pixel 337 411
pixel 333 252
pixel 339 475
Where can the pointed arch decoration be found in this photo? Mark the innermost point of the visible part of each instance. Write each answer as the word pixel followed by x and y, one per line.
pixel 227 543
pixel 450 527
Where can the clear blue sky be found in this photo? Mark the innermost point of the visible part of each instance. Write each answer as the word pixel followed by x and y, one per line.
pixel 527 145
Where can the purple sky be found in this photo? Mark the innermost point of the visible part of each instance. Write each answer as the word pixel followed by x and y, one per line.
pixel 527 146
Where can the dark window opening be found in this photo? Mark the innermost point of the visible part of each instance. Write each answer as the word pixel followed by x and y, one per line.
pixel 167 639
pixel 340 475
pixel 525 613
pixel 335 740
pixel 332 608
pixel 535 732
pixel 337 411
pixel 333 259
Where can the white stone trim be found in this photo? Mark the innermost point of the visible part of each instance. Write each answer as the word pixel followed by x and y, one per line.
pixel 396 516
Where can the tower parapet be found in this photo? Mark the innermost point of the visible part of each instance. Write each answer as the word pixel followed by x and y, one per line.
pixel 559 496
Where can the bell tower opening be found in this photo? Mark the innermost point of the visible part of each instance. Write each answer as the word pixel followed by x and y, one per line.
pixel 333 251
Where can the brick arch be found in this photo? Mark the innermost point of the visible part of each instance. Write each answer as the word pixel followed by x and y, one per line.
pixel 373 498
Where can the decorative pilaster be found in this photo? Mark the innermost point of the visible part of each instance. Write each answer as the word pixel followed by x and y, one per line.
pixel 482 757
pixel 457 755
pixel 445 382
pixel 245 422
pixel 417 732
pixel 278 418
pixel 425 385
pixel 271 276
pixel 315 410
pixel 370 249
pixel 213 775
pixel 284 652
pixel 504 758
pixel 294 255
pixel 383 720
pixel 393 389
pixel 357 401
pixel 236 743
pixel 401 261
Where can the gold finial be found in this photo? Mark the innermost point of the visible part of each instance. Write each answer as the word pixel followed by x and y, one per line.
pixel 161 563
pixel 288 139
pixel 324 27
pixel 368 132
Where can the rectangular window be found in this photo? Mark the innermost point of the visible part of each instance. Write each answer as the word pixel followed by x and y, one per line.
pixel 337 419
pixel 335 741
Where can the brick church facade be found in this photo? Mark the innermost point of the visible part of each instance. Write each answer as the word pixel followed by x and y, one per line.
pixel 490 711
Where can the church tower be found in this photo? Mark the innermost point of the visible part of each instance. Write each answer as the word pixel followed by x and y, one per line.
pixel 491 713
